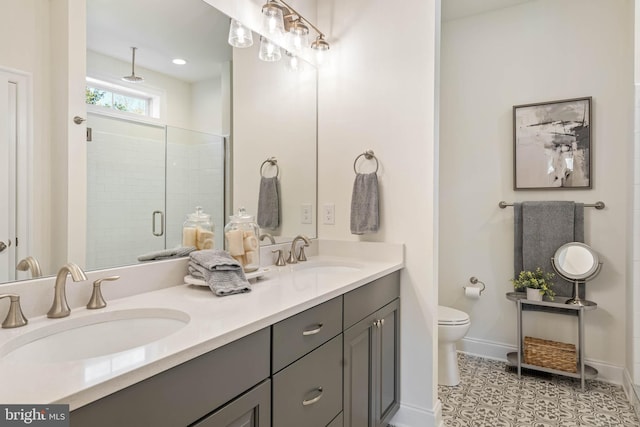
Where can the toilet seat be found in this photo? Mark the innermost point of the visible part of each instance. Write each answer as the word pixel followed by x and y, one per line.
pixel 448 316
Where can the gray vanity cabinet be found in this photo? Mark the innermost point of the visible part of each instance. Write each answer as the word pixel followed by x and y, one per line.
pixel 371 356
pixel 188 392
pixel 307 367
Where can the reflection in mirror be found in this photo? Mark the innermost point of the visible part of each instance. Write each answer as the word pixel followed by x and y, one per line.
pixel 182 138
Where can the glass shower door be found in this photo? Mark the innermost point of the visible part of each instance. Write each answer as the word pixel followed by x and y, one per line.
pixel 126 191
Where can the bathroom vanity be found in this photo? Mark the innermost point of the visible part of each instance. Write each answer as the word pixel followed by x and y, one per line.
pixel 315 344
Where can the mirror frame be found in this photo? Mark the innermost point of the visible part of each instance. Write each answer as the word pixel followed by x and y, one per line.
pixel 593 270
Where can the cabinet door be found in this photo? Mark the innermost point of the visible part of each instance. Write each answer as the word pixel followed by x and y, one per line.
pixel 358 342
pixel 371 368
pixel 252 409
pixel 386 362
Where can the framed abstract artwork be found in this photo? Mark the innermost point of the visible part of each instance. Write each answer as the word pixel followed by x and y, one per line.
pixel 552 145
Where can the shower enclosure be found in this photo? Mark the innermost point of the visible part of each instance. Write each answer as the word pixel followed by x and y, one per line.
pixel 142 181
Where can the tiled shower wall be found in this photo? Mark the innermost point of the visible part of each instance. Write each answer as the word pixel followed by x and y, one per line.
pixel 126 184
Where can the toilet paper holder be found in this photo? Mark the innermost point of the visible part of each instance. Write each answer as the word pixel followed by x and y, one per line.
pixel 474 281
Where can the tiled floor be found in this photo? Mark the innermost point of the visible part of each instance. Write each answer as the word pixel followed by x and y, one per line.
pixel 490 394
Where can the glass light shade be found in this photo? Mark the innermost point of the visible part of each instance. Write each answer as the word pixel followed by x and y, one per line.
pixel 321 47
pixel 298 37
pixel 272 19
pixel 239 35
pixel 269 51
pixel 294 64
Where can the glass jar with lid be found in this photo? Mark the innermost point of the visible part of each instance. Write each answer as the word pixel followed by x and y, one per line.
pixel 241 240
pixel 197 230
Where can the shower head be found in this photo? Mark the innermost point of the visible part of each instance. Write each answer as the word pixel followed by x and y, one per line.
pixel 133 78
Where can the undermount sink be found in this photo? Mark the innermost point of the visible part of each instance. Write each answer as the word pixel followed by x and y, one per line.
pixel 326 267
pixel 95 335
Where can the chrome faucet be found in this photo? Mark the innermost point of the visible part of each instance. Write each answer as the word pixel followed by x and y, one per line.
pixel 31 264
pixel 60 307
pixel 301 255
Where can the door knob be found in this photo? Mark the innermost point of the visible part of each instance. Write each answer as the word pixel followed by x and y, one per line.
pixel 3 246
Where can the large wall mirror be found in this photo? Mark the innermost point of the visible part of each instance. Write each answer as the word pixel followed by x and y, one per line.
pixel 188 135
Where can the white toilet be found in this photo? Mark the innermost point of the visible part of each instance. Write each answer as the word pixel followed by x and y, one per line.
pixel 452 326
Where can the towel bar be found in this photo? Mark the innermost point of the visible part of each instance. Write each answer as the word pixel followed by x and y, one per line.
pixel 598 205
pixel 367 155
pixel 273 162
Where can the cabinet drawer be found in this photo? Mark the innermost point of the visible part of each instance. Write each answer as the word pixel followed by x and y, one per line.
pixel 185 393
pixel 309 392
pixel 363 301
pixel 250 409
pixel 298 335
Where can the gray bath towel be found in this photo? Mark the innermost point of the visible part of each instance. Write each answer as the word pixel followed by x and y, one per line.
pixel 167 253
pixel 223 274
pixel 269 203
pixel 540 228
pixel 364 204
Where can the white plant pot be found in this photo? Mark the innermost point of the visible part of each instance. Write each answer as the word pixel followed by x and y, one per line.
pixel 534 294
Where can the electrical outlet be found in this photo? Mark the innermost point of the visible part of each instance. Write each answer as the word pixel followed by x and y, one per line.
pixel 329 214
pixel 305 213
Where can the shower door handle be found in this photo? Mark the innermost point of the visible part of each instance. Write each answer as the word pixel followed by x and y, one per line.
pixel 153 223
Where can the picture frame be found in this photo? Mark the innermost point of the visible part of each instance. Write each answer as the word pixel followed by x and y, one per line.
pixel 552 145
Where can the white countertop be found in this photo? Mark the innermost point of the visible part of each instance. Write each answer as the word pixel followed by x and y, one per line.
pixel 214 322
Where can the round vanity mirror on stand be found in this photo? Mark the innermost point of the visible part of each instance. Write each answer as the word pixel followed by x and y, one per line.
pixel 576 262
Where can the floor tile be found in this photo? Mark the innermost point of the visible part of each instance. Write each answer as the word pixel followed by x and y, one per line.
pixel 490 394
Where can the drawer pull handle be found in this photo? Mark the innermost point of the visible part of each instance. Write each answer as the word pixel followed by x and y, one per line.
pixel 308 402
pixel 313 331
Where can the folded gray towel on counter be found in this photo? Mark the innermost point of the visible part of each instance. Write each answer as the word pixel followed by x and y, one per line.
pixel 167 253
pixel 223 274
pixel 269 203
pixel 364 204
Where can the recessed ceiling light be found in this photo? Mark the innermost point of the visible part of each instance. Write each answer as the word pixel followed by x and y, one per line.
pixel 179 61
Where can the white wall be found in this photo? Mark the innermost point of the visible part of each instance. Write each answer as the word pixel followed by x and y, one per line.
pixel 378 92
pixel 534 52
pixel 274 115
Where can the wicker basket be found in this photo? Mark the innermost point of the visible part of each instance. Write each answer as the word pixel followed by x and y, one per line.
pixel 550 354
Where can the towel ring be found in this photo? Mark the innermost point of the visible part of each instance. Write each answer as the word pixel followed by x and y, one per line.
pixel 273 162
pixel 367 155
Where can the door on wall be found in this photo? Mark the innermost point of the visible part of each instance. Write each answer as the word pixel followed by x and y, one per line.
pixel 14 202
pixel 125 190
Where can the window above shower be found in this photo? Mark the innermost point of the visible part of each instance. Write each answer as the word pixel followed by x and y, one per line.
pixel 104 96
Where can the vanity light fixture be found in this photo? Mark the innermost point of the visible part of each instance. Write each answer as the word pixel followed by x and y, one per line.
pixel 272 18
pixel 239 35
pixel 281 21
pixel 297 36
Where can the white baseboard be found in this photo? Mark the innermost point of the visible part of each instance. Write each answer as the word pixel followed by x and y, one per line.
pixel 631 392
pixel 412 416
pixel 498 351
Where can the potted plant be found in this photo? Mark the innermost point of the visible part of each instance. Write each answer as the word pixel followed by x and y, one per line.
pixel 537 283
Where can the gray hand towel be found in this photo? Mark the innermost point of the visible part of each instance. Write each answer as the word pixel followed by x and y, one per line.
pixel 167 253
pixel 268 203
pixel 223 274
pixel 364 204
